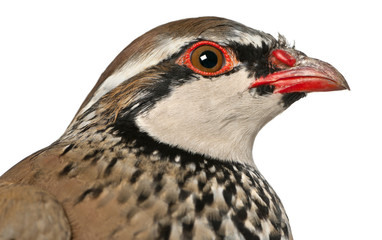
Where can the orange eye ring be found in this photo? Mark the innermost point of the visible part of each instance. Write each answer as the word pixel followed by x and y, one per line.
pixel 207 58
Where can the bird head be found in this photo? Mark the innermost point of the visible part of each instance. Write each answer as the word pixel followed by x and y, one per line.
pixel 203 85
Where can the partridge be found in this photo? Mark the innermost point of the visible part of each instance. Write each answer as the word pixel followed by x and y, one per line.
pixel 161 148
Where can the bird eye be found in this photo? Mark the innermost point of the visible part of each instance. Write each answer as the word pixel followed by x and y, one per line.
pixel 208 58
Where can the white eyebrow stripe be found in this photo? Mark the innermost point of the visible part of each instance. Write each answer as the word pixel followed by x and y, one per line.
pixel 164 49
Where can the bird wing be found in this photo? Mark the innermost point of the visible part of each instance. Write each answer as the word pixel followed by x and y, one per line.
pixel 24 205
pixel 97 205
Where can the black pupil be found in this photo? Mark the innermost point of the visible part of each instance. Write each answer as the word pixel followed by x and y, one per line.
pixel 208 59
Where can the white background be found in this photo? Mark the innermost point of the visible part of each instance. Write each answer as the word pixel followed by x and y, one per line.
pixel 322 155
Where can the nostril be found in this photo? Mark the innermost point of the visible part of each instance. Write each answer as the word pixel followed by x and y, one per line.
pixel 284 57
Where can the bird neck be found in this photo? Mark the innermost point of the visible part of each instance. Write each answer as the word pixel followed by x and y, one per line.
pixel 130 139
pixel 229 145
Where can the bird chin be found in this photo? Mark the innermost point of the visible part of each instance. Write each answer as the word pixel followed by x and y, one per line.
pixel 289 98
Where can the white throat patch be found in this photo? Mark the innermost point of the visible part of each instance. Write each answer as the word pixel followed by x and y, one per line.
pixel 215 117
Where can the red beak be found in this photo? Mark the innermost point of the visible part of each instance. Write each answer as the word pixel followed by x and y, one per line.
pixel 303 75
